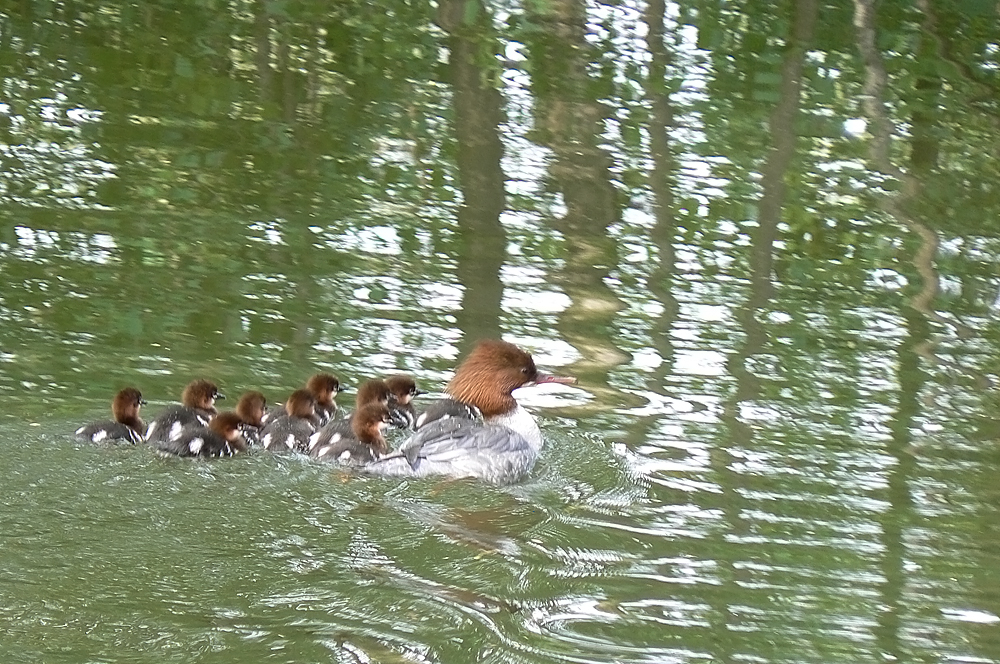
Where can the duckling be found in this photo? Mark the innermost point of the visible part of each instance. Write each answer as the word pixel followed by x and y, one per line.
pixel 197 409
pixel 403 389
pixel 324 387
pixel 222 437
pixel 126 426
pixel 364 443
pixel 291 431
pixel 251 408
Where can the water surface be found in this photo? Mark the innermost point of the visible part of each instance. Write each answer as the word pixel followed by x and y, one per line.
pixel 764 238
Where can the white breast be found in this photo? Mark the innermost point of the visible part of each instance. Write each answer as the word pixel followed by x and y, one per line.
pixel 522 422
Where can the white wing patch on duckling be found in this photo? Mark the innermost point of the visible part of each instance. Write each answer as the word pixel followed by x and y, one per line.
pixel 291 441
pixel 175 431
pixel 99 435
pixel 345 455
pixel 196 445
pixel 150 430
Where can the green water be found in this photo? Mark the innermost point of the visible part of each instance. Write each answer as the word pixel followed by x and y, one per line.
pixel 764 237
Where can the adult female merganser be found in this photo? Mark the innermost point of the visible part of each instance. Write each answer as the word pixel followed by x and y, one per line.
pixel 197 409
pixel 370 392
pixel 403 390
pixel 291 431
pixel 222 437
pixel 251 408
pixel 363 443
pixel 480 430
pixel 126 426
pixel 323 387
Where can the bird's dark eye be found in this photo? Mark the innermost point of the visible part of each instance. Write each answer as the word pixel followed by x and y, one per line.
pixel 525 371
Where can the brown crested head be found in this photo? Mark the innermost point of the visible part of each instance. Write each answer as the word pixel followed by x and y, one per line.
pixel 324 387
pixel 251 408
pixel 403 387
pixel 490 373
pixel 227 425
pixel 367 424
pixel 301 403
pixel 372 391
pixel 201 394
pixel 125 408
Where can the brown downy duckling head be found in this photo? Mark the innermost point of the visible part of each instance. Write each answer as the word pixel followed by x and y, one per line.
pixel 251 408
pixel 324 387
pixel 127 403
pixel 372 391
pixel 301 403
pixel 227 425
pixel 125 408
pixel 367 424
pixel 403 387
pixel 201 394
